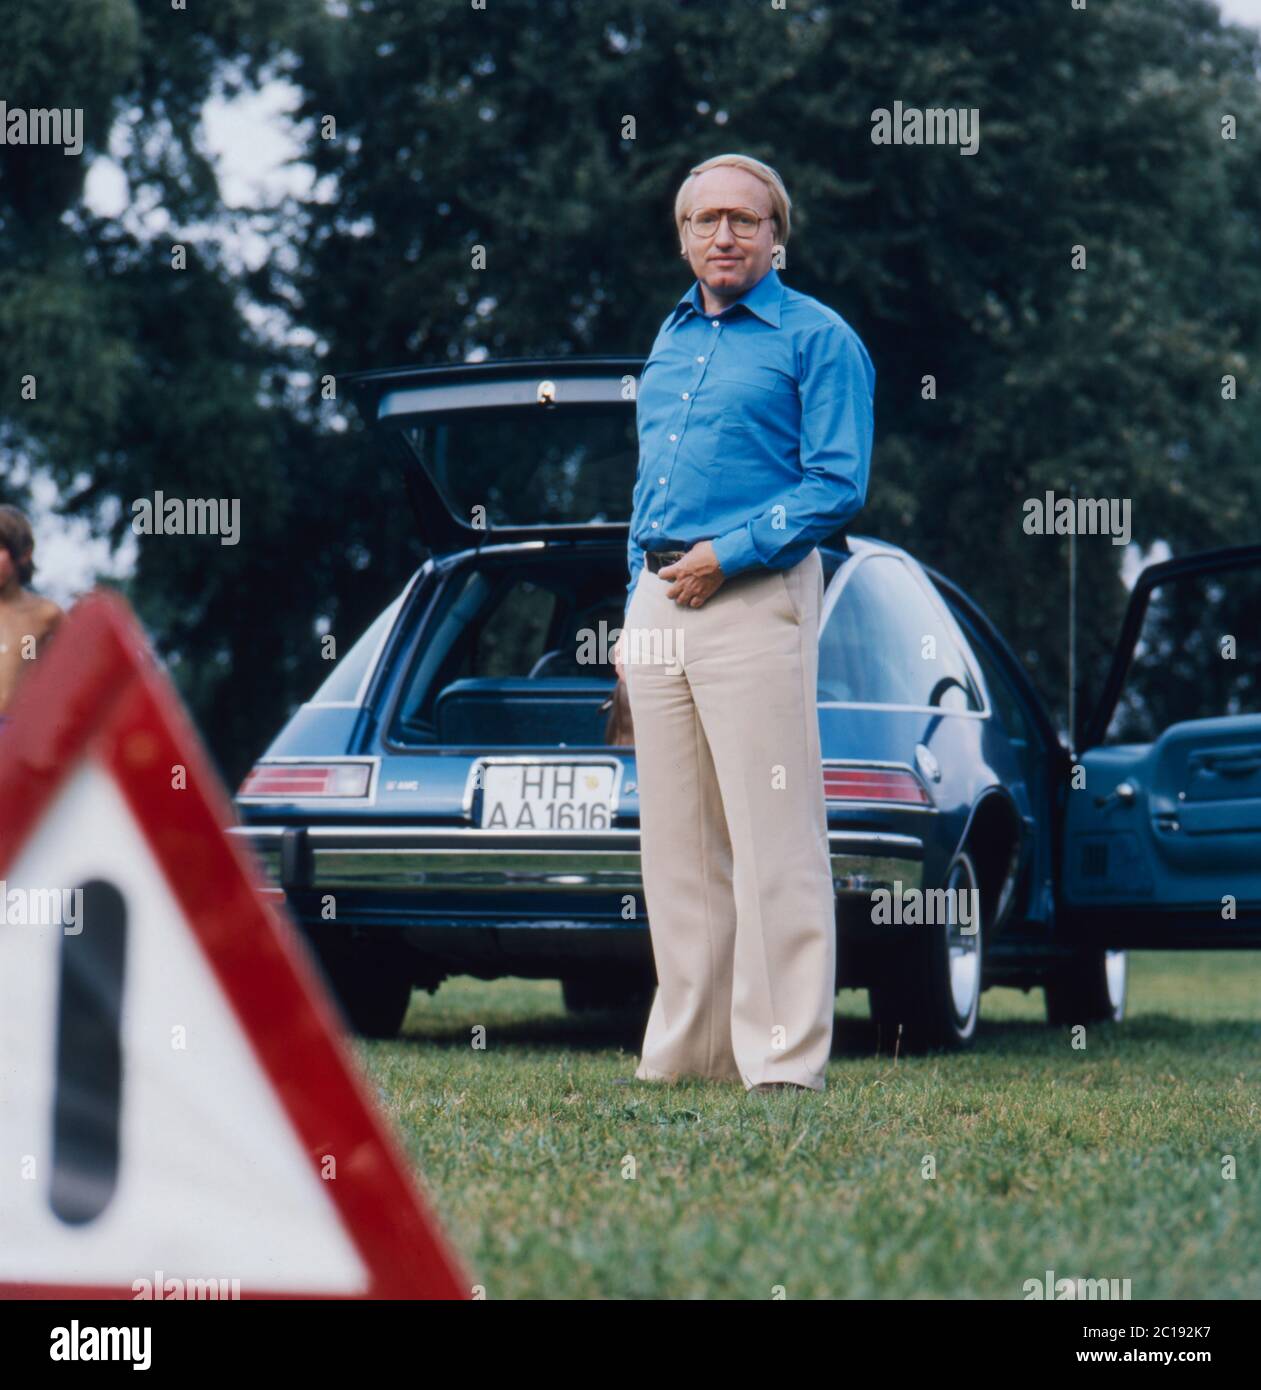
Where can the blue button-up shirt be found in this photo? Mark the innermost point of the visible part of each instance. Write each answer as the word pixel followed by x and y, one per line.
pixel 755 429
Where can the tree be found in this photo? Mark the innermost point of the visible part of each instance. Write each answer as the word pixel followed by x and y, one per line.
pixel 1101 129
pixel 554 135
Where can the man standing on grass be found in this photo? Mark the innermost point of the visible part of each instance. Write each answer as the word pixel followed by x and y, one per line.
pixel 27 621
pixel 755 428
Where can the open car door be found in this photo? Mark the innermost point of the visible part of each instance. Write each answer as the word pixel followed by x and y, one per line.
pixel 1162 843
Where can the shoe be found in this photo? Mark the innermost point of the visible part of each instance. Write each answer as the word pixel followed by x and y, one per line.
pixel 781 1086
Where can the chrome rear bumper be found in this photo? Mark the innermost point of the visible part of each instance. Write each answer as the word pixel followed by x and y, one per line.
pixel 383 860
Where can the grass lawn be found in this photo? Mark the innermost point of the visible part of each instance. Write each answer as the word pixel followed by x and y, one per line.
pixel 555 1181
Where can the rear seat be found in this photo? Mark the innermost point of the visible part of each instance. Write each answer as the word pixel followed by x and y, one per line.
pixel 512 710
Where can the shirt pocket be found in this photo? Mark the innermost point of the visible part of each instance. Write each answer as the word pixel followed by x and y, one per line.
pixel 757 413
pixel 748 378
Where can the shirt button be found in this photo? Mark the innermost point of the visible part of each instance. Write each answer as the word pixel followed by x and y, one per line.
pixel 673 437
pixel 700 359
pixel 715 322
pixel 654 525
pixel 661 480
pixel 686 394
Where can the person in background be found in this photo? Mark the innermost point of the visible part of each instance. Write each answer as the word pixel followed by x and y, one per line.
pixel 27 620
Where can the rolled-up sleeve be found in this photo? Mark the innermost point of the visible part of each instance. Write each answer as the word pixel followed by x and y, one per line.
pixel 836 387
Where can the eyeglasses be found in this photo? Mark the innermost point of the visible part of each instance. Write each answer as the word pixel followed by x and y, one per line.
pixel 744 222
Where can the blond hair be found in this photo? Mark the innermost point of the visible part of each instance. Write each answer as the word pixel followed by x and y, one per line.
pixel 781 203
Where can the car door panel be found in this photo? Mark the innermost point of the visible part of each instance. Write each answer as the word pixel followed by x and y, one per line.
pixel 1162 838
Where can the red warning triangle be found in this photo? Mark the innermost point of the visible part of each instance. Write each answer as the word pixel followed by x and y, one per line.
pixel 181 1118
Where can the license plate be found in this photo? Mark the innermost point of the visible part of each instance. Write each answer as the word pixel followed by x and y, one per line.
pixel 547 796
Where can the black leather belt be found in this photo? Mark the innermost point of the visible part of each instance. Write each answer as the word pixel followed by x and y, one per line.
pixel 655 559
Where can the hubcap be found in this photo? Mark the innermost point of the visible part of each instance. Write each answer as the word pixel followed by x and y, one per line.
pixel 1115 968
pixel 963 941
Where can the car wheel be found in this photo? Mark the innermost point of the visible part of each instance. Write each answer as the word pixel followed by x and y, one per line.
pixel 373 989
pixel 585 994
pixel 1089 988
pixel 930 995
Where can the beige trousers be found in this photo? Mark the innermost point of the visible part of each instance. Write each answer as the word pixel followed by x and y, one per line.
pixel 733 828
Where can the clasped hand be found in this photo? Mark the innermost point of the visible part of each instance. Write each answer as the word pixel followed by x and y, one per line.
pixel 693 579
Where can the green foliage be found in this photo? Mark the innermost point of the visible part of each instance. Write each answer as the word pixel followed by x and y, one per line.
pixel 149 378
pixel 77 54
pixel 504 128
pixel 1099 128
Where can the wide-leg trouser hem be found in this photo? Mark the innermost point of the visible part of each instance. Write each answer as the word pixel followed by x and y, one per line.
pixel 643 1072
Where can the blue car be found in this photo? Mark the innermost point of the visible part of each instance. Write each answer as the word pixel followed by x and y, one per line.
pixel 446 802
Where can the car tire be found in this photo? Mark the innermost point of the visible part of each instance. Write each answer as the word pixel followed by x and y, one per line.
pixel 1092 987
pixel 373 989
pixel 586 994
pixel 929 995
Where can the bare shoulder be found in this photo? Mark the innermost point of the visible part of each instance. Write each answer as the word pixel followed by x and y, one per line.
pixel 48 616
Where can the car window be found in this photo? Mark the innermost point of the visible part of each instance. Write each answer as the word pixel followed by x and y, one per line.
pixel 886 643
pixel 1196 656
pixel 512 635
pixel 504 626
pixel 343 682
pixel 1003 698
pixel 572 465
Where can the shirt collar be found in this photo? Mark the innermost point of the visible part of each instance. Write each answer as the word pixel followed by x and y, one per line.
pixel 763 299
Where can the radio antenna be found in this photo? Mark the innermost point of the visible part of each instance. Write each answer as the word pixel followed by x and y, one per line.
pixel 1072 629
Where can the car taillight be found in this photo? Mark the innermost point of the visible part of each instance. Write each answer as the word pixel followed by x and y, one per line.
pixel 859 783
pixel 297 781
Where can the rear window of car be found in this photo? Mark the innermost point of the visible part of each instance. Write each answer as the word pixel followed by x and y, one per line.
pixel 343 683
pixel 505 625
pixel 886 642
pixel 572 465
